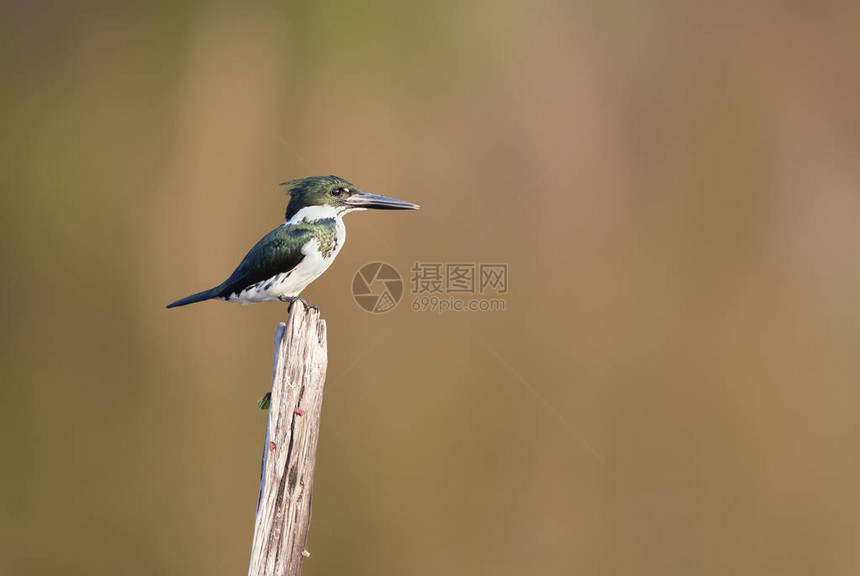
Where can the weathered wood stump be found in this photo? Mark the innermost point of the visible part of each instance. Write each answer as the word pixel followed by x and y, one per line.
pixel 289 453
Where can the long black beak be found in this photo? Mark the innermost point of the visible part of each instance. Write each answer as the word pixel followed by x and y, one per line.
pixel 362 199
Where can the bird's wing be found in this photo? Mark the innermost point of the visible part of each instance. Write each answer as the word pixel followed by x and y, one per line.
pixel 278 251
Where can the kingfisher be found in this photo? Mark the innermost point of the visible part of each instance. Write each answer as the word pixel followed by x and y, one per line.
pixel 297 252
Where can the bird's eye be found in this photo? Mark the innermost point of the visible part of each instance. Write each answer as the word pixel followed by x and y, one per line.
pixel 338 192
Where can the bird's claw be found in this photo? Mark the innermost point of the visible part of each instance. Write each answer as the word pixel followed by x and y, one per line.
pixel 293 300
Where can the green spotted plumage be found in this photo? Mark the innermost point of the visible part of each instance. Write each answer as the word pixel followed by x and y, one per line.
pixel 277 252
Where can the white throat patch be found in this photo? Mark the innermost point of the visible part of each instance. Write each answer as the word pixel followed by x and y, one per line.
pixel 311 213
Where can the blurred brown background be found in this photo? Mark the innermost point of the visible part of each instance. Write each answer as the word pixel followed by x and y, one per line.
pixel 674 186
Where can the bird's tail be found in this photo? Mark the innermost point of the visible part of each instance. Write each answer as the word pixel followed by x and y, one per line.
pixel 199 297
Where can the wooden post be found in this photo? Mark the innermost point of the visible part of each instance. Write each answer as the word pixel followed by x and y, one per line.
pixel 289 453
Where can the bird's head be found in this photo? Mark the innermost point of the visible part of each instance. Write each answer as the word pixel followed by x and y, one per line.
pixel 329 196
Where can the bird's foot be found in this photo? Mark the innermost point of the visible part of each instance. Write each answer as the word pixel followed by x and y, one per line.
pixel 293 299
pixel 264 401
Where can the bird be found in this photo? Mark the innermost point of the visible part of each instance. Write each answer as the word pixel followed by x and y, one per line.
pixel 287 259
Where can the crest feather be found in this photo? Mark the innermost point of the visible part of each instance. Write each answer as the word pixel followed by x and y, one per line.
pixel 299 187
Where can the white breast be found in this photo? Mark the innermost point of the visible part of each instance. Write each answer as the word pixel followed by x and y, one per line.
pixel 290 284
